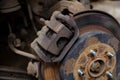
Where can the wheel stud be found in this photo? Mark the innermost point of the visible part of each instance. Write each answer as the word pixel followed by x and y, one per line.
pixel 109 74
pixel 110 54
pixel 81 73
pixel 93 52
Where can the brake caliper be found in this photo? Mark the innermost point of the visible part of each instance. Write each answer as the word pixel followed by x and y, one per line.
pixel 55 38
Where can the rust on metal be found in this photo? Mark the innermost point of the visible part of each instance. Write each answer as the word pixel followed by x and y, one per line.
pixel 114 42
pixel 56 37
pixel 50 71
pixel 96 66
pixel 93 27
pixel 90 41
pixel 69 66
pixel 72 6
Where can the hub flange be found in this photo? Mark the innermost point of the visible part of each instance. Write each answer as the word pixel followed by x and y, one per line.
pixel 95 67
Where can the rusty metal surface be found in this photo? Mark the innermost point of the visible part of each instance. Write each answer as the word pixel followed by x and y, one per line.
pixel 56 38
pixel 96 64
pixel 88 28
pixel 73 6
pixel 45 8
pixel 64 6
pixel 64 44
pixel 68 71
pixel 69 21
pixel 50 71
pixel 88 22
pixel 99 18
pixel 51 35
pixel 78 64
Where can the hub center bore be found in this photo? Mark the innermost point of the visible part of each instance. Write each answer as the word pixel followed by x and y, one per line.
pixel 97 67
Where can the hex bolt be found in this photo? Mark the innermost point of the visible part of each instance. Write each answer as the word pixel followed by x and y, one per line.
pixel 110 54
pixel 109 74
pixel 92 52
pixel 81 73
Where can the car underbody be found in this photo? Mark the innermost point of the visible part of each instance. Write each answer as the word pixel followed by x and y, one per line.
pixel 59 40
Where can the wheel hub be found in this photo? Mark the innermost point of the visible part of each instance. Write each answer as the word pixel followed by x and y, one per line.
pixel 95 66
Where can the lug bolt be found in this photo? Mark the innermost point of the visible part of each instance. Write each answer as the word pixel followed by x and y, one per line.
pixel 109 74
pixel 81 73
pixel 93 52
pixel 110 54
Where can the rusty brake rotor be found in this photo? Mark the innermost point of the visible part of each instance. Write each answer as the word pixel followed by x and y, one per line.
pixel 94 56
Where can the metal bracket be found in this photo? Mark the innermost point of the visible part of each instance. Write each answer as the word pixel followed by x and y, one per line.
pixel 55 38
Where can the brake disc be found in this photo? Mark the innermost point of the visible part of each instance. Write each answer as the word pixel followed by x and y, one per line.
pixel 98 18
pixel 95 55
